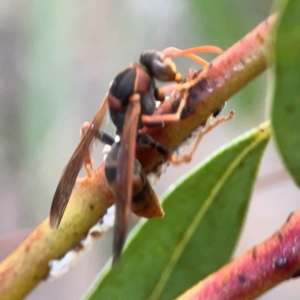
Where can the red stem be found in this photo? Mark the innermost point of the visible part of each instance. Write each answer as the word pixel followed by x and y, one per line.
pixel 256 271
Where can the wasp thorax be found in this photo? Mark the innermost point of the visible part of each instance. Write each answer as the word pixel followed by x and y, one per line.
pixel 159 66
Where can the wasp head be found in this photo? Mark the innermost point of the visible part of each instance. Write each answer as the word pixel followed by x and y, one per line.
pixel 159 66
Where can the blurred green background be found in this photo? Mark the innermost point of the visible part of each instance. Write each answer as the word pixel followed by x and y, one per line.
pixel 57 59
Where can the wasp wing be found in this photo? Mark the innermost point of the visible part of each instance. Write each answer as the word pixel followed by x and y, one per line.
pixel 124 177
pixel 70 173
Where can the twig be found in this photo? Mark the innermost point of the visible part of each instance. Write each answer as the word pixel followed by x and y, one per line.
pixel 256 271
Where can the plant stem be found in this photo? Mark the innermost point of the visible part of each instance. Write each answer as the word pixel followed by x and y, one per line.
pixel 256 271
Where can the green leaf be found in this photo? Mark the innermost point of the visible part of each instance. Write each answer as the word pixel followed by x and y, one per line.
pixel 204 215
pixel 286 102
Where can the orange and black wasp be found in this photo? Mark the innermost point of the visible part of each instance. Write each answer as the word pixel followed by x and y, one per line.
pixel 131 100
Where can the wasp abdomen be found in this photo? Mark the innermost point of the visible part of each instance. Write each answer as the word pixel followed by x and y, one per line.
pixel 144 200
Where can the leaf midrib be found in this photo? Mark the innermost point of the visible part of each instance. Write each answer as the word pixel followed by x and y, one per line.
pixel 166 274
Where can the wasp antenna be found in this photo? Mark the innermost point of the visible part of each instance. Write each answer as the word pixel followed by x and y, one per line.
pixel 174 52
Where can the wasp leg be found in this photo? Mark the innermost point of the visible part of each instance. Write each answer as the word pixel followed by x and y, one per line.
pixel 148 120
pixel 208 127
pixel 105 138
pixel 191 75
pixel 87 163
pixel 146 140
pixel 182 87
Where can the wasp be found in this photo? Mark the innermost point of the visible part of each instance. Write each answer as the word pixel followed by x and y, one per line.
pixel 131 101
